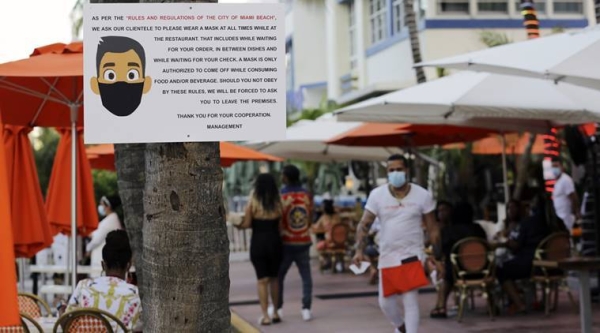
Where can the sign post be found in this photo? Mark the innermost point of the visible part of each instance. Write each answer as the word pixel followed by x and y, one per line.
pixel 184 72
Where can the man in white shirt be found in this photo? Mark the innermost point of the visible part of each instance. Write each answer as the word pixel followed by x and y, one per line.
pixel 566 202
pixel 401 208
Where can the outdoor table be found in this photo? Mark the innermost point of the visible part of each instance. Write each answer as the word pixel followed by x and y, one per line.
pixel 583 266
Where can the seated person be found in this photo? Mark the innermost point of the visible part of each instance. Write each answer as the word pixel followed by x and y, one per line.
pixel 112 293
pixel 328 219
pixel 507 229
pixel 522 243
pixel 461 226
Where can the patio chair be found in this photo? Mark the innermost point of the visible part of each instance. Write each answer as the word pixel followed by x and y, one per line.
pixel 89 320
pixel 555 247
pixel 32 305
pixel 337 250
pixel 473 263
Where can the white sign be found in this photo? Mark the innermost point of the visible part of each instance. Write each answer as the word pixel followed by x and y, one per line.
pixel 184 72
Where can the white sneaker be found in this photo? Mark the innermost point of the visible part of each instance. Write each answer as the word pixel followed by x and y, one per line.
pixel 306 314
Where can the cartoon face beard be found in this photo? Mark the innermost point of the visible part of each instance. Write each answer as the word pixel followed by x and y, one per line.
pixel 121 98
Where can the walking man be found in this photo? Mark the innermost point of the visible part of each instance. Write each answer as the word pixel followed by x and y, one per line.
pixel 296 221
pixel 401 208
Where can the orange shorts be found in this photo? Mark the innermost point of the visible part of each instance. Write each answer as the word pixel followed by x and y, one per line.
pixel 406 277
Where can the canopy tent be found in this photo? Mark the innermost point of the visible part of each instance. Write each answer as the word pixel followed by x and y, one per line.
pixel 30 229
pixel 568 57
pixel 103 156
pixel 307 140
pixel 46 89
pixel 498 102
pixel 406 135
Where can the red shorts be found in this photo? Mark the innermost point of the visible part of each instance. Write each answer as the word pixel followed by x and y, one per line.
pixel 406 277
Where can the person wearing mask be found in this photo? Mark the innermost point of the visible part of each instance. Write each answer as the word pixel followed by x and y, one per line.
pixel 111 293
pixel 295 233
pixel 462 226
pixel 110 222
pixel 566 202
pixel 401 207
pixel 521 243
pixel 263 215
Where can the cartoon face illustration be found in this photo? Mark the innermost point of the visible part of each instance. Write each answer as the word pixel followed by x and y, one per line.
pixel 121 74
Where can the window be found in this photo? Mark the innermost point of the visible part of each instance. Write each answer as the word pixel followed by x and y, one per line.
pixel 398 15
pixel 453 6
pixel 540 7
pixel 377 20
pixel 352 34
pixel 492 6
pixel 568 7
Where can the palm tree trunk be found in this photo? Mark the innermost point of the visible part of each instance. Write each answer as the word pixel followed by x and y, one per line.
pixel 131 177
pixel 597 10
pixel 413 33
pixel 186 251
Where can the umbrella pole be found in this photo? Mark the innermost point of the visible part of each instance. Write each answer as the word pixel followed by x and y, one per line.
pixel 504 167
pixel 73 196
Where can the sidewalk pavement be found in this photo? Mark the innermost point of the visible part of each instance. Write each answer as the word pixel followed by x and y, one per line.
pixel 346 303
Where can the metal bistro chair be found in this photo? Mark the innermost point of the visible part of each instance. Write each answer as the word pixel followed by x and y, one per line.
pixel 32 305
pixel 89 320
pixel 337 251
pixel 555 247
pixel 473 262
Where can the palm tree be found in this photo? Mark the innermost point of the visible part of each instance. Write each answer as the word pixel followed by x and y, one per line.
pixel 413 33
pixel 176 200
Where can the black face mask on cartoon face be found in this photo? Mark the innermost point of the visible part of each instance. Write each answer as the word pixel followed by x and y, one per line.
pixel 121 98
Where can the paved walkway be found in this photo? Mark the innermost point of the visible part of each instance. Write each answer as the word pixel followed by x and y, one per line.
pixel 359 311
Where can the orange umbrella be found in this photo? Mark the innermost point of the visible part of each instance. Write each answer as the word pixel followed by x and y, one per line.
pixel 9 308
pixel 515 144
pixel 231 153
pixel 103 156
pixel 399 135
pixel 58 203
pixel 46 89
pixel 30 228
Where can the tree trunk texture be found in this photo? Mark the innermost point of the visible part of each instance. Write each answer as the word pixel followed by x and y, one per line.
pixel 597 10
pixel 532 27
pixel 186 251
pixel 411 22
pixel 131 177
pixel 523 168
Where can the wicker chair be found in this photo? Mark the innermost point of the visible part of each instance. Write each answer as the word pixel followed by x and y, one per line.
pixel 89 320
pixel 337 250
pixel 473 263
pixel 555 247
pixel 32 305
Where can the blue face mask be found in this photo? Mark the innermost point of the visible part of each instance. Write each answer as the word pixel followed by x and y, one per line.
pixel 397 178
pixel 101 210
pixel 556 172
